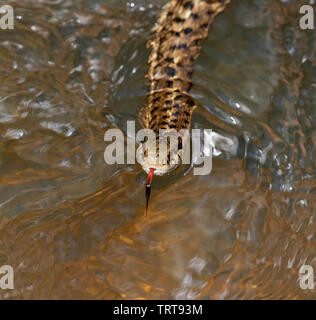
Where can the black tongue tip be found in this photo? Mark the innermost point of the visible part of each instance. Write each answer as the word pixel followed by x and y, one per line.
pixel 148 188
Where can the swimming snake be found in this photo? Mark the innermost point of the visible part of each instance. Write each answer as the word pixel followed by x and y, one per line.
pixel 175 45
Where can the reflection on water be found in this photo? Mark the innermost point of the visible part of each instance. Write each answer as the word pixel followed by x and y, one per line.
pixel 74 227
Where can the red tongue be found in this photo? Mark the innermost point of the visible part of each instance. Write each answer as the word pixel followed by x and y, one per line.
pixel 150 176
pixel 148 185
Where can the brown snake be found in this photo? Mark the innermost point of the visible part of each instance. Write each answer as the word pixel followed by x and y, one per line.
pixel 175 45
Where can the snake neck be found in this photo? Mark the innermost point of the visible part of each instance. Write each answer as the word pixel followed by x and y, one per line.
pixel 175 45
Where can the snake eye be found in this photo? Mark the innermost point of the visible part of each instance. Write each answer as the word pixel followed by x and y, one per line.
pixel 179 144
pixel 145 150
pixel 168 158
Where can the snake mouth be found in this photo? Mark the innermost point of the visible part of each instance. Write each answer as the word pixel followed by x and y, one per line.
pixel 161 170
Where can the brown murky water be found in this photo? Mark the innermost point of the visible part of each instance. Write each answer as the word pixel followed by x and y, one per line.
pixel 74 227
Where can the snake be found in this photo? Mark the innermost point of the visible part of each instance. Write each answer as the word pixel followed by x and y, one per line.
pixel 175 43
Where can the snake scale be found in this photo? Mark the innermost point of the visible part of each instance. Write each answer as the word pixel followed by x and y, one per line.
pixel 175 45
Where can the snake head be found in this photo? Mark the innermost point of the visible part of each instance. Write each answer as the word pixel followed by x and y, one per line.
pixel 149 160
pixel 163 153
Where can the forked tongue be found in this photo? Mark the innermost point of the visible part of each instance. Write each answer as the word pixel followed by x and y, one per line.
pixel 148 186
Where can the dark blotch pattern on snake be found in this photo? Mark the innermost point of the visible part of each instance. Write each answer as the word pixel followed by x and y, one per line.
pixel 175 45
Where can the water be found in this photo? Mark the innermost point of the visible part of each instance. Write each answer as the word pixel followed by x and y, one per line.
pixel 74 227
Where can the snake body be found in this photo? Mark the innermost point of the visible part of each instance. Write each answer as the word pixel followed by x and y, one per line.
pixel 175 45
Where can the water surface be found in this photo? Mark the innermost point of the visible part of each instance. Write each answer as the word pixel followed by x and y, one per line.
pixel 74 227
